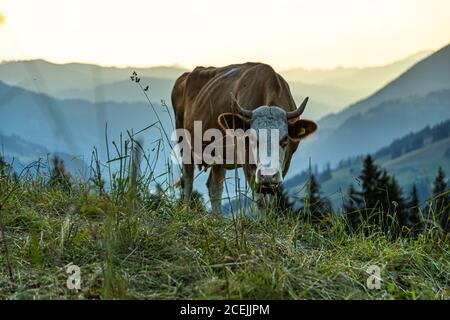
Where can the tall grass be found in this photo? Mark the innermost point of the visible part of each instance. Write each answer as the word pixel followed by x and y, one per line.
pixel 131 243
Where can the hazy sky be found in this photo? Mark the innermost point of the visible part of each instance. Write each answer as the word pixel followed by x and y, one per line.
pixel 319 33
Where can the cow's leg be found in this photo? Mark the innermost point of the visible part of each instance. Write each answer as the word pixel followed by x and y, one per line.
pixel 187 181
pixel 215 187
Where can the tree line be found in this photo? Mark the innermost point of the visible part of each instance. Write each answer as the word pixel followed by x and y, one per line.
pixel 379 202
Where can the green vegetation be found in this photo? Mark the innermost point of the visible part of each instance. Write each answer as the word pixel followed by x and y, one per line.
pixel 318 206
pixel 130 243
pixel 381 204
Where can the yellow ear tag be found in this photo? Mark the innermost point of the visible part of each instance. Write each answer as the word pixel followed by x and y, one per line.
pixel 302 131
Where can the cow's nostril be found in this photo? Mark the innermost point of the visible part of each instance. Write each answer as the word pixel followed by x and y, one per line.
pixel 268 177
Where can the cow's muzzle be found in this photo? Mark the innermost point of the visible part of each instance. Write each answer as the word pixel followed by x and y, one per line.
pixel 268 177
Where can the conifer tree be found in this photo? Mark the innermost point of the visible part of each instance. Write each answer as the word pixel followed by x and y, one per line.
pixel 440 184
pixel 318 206
pixel 442 200
pixel 369 177
pixel 352 208
pixel 414 197
pixel 396 210
pixel 412 217
pixel 383 196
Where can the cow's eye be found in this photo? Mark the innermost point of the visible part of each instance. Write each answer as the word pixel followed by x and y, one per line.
pixel 284 141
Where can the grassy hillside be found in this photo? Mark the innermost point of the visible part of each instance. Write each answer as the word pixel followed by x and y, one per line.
pixel 148 248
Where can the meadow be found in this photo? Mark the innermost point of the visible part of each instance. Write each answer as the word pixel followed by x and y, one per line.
pixel 130 243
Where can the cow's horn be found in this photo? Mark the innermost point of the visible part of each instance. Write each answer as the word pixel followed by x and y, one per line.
pixel 244 112
pixel 299 111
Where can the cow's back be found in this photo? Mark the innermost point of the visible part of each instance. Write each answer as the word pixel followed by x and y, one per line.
pixel 186 89
pixel 203 94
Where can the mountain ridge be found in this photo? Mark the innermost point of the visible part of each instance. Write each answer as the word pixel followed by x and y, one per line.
pixel 103 83
pixel 423 71
pixel 407 158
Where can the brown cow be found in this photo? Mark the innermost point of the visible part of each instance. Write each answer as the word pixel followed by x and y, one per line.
pixel 262 101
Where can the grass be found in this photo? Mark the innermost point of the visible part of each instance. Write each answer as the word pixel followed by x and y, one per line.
pixel 138 246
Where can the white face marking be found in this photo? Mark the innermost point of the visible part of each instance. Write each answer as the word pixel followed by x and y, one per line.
pixel 270 125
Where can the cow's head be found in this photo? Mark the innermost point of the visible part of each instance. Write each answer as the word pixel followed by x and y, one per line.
pixel 276 133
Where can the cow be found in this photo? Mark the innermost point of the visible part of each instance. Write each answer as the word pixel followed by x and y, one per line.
pixel 242 96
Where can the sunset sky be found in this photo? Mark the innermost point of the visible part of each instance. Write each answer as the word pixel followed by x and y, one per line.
pixel 312 34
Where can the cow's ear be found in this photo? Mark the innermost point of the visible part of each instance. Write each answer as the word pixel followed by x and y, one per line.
pixel 300 129
pixel 233 121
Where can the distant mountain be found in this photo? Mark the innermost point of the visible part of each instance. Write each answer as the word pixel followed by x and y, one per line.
pixel 370 79
pixel 315 76
pixel 413 158
pixel 329 90
pixel 324 98
pixel 359 81
pixel 430 74
pixel 345 85
pixel 366 132
pixel 125 91
pixel 21 153
pixel 417 98
pixel 99 83
pixel 77 80
pixel 75 127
